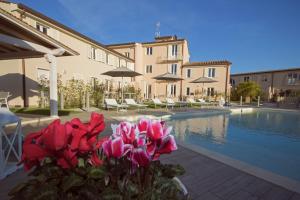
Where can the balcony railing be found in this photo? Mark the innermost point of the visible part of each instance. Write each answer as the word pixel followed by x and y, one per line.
pixel 167 59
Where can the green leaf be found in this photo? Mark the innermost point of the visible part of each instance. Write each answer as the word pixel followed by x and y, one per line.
pixel 96 173
pixel 112 197
pixel 71 181
pixel 81 162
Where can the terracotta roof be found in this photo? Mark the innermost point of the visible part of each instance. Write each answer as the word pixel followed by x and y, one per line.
pixel 205 63
pixel 56 23
pixel 153 42
pixel 263 72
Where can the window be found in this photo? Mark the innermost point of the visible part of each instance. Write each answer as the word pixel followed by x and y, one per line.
pixel 211 72
pixel 174 69
pixel 232 82
pixel 292 78
pixel 149 51
pixel 93 53
pixel 210 91
pixel 173 90
pixel 187 91
pixel 246 79
pixel 127 54
pixel 41 28
pixel 174 49
pixel 149 69
pixel 188 73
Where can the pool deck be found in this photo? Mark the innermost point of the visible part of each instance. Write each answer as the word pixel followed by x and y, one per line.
pixel 205 178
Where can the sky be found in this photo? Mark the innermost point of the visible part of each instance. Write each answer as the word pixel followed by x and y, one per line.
pixel 253 34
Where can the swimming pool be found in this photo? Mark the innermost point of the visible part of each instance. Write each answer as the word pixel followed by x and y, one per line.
pixel 266 139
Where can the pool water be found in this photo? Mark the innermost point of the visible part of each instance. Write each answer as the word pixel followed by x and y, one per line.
pixel 265 139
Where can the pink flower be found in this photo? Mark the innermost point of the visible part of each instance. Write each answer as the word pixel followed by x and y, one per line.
pixel 127 131
pixel 113 147
pixel 140 157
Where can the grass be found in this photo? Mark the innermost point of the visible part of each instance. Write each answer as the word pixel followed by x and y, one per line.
pixel 41 111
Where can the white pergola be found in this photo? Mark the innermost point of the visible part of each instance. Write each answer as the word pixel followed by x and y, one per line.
pixel 18 40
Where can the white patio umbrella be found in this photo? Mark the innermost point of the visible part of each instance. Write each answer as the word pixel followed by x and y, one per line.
pixel 122 72
pixel 203 80
pixel 168 77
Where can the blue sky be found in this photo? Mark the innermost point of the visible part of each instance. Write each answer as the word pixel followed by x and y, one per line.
pixel 252 34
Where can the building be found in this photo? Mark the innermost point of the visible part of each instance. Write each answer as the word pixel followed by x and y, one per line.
pixel 168 56
pixel 164 63
pixel 273 82
pixel 92 59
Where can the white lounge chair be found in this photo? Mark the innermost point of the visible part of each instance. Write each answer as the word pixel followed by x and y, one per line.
pixel 201 100
pixel 221 102
pixel 112 103
pixel 157 102
pixel 192 102
pixel 4 99
pixel 131 102
pixel 170 103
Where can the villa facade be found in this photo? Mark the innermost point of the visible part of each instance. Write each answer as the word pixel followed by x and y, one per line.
pixel 92 60
pixel 272 82
pixel 170 55
pixel 164 56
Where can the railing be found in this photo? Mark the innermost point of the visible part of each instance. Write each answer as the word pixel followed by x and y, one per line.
pixel 162 59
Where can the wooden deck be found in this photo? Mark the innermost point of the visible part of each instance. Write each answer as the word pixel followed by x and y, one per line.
pixel 208 179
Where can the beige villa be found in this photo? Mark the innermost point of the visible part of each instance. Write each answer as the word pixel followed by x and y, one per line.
pixel 273 82
pixel 169 57
pixel 164 63
pixel 91 60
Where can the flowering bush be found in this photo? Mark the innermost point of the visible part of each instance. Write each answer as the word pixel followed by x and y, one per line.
pixel 68 161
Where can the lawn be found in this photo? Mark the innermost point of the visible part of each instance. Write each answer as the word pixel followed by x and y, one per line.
pixel 41 111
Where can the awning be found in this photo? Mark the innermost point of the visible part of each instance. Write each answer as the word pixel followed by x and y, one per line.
pixel 204 80
pixel 121 72
pixel 167 77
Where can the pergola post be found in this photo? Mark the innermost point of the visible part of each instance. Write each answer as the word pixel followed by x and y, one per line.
pixel 53 85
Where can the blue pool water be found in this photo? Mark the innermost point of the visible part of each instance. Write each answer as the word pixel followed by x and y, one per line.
pixel 266 139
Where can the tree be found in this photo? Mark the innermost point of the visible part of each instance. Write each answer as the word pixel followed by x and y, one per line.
pixel 248 89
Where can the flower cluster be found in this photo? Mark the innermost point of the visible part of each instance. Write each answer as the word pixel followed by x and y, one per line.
pixel 65 143
pixel 140 143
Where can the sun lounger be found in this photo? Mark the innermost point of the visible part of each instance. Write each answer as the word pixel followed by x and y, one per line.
pixel 192 102
pixel 170 103
pixel 4 99
pixel 180 103
pixel 112 103
pixel 157 102
pixel 131 102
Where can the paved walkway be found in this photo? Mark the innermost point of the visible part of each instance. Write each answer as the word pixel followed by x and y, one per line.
pixel 208 179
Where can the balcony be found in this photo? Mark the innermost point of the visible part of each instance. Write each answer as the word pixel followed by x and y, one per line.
pixel 169 59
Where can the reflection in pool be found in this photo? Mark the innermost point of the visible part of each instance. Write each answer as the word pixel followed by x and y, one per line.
pixel 266 139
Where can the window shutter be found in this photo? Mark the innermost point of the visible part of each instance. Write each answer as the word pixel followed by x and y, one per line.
pixel 170 51
pixel 169 68
pixel 89 52
pixel 97 55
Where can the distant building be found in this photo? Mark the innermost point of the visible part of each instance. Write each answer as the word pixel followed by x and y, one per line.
pixel 169 54
pixel 273 82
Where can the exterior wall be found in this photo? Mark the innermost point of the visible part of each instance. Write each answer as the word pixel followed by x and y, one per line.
pixel 83 66
pixel 160 64
pixel 200 71
pixel 270 82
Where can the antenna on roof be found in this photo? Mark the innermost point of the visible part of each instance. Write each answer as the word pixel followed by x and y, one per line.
pixel 157 32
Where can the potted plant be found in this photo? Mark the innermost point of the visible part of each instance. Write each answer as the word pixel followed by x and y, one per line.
pixel 68 161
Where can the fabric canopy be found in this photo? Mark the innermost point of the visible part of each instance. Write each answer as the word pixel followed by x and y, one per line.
pixel 204 80
pixel 121 72
pixel 167 77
